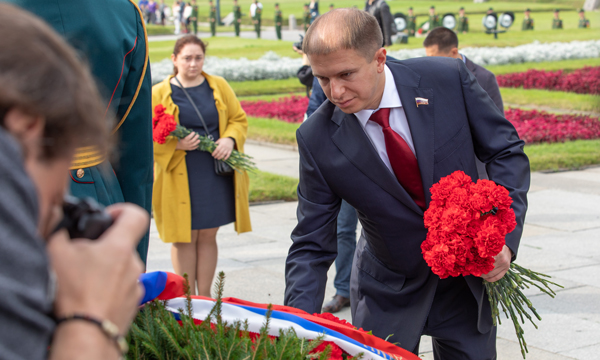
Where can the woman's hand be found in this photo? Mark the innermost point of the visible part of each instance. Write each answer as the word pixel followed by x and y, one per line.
pixel 224 148
pixel 189 142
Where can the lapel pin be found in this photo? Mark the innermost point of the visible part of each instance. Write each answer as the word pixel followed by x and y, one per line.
pixel 421 101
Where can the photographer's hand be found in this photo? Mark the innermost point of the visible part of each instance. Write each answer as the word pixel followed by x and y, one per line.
pixel 99 279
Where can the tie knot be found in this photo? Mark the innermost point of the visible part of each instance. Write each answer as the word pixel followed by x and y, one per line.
pixel 381 117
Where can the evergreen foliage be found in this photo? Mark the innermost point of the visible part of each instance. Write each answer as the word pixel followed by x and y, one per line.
pixel 157 335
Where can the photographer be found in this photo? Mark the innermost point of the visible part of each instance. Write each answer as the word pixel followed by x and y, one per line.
pixel 73 298
pixel 304 74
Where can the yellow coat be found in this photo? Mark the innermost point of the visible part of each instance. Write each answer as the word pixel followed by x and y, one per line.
pixel 171 197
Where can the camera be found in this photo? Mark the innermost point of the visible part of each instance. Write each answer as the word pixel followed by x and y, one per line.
pixel 299 43
pixel 84 218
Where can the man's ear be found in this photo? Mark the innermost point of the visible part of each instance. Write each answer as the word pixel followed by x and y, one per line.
pixel 380 57
pixel 27 128
pixel 454 53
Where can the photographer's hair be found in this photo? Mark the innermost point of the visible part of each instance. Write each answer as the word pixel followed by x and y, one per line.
pixel 349 29
pixel 183 41
pixel 41 75
pixel 444 38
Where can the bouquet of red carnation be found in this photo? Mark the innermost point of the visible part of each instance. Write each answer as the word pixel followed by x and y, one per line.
pixel 467 223
pixel 164 125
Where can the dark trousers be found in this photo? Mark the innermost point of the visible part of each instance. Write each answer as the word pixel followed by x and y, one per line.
pixel 346 245
pixel 278 32
pixel 452 324
pixel 257 28
pixel 236 25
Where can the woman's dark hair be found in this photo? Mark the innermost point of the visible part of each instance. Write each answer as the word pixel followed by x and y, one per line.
pixel 42 76
pixel 183 41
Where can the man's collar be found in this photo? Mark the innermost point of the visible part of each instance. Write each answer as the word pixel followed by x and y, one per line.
pixel 390 98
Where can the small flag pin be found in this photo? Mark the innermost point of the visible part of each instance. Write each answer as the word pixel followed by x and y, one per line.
pixel 421 101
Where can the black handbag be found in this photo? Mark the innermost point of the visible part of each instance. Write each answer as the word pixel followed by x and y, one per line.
pixel 221 167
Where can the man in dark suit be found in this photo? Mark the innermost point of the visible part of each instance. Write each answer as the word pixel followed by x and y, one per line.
pixel 385 135
pixel 444 42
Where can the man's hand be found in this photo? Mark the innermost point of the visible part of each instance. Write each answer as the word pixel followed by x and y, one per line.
pixel 224 148
pixel 100 278
pixel 189 142
pixel 501 265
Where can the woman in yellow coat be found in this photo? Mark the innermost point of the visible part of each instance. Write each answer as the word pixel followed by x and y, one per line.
pixel 190 202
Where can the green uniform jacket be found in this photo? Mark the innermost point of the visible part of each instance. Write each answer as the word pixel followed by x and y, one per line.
pixel 434 21
pixel 278 18
pixel 583 23
pixel 463 24
pixel 527 24
pixel 237 12
pixel 411 24
pixel 557 24
pixel 110 35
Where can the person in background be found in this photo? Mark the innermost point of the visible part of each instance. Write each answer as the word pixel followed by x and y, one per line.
pixel 278 21
pixel 119 61
pixel 527 21
pixel 194 17
pixel 331 7
pixel 237 17
pixel 313 7
pixel 463 22
pixel 444 42
pixel 256 15
pixel 306 18
pixel 213 18
pixel 54 292
pixel 190 200
pixel 557 23
pixel 143 5
pixel 381 10
pixel 161 11
pixel 583 22
pixel 185 18
pixel 177 11
pixel 434 19
pixel 411 22
pixel 152 12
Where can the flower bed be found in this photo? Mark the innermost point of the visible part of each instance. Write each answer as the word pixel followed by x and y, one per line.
pixel 290 109
pixel 272 66
pixel 542 127
pixel 581 81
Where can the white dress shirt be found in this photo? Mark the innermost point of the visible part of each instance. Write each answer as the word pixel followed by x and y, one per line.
pixel 398 122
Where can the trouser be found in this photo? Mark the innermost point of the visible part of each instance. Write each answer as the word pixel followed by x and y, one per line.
pixel 278 32
pixel 213 28
pixel 257 28
pixel 236 25
pixel 177 26
pixel 195 26
pixel 346 244
pixel 452 324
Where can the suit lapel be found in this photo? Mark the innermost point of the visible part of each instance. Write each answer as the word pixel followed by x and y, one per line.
pixel 420 121
pixel 352 141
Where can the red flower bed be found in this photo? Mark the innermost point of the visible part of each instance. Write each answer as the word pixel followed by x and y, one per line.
pixel 539 126
pixel 581 81
pixel 290 109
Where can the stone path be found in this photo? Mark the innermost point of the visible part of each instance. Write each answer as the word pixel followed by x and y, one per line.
pixel 561 238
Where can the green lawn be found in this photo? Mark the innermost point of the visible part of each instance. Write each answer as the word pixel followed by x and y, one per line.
pixel 547 65
pixel 272 130
pixel 568 155
pixel 267 87
pixel 533 98
pixel 270 97
pixel 265 186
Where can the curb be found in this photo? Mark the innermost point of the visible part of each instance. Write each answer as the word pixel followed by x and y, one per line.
pixel 272 145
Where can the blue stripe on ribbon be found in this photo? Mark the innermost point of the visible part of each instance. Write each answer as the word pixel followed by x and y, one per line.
pixel 154 284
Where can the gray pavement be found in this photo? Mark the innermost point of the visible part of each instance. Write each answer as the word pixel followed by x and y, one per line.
pixel 561 238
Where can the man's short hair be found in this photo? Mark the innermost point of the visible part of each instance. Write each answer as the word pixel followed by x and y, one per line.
pixel 344 29
pixel 443 37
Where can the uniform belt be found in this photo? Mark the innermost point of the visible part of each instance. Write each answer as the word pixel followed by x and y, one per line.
pixel 86 157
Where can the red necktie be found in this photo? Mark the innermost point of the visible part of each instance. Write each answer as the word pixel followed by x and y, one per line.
pixel 403 161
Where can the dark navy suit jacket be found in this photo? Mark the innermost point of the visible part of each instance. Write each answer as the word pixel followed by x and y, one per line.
pixel 392 287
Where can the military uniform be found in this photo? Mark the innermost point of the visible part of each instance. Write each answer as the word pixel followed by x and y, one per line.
pixel 237 16
pixel 434 21
pixel 557 24
pixel 584 23
pixel 527 24
pixel 306 20
pixel 213 21
pixel 411 24
pixel 278 23
pixel 194 18
pixel 111 36
pixel 463 24
pixel 257 20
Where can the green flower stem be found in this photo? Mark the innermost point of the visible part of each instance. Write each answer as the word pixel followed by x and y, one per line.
pixel 237 160
pixel 507 293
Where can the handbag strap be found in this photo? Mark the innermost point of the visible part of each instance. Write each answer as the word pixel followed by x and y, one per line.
pixel 195 108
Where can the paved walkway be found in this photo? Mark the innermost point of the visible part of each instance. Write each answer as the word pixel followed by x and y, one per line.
pixel 561 238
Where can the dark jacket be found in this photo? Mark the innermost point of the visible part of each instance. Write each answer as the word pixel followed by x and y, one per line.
pixel 487 80
pixel 381 10
pixel 391 286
